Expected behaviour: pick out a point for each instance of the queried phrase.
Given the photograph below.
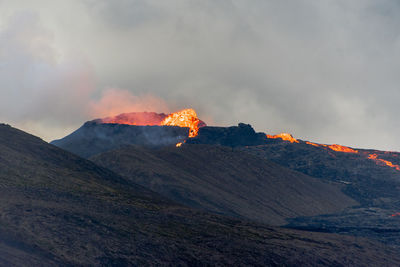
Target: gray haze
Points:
(326, 71)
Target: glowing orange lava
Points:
(346, 149)
(374, 157)
(178, 144)
(342, 148)
(184, 118)
(314, 144)
(335, 147)
(284, 136)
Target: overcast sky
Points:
(326, 71)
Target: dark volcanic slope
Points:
(58, 209)
(365, 175)
(375, 185)
(224, 181)
(93, 137)
(366, 181)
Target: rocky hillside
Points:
(224, 181)
(59, 209)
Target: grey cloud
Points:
(124, 14)
(323, 70)
(35, 87)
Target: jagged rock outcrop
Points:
(241, 135)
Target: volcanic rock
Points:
(365, 180)
(374, 185)
(241, 135)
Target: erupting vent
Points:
(184, 118)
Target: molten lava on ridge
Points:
(284, 136)
(183, 118)
(338, 148)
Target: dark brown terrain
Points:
(366, 181)
(59, 209)
(374, 185)
(218, 179)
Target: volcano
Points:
(238, 172)
(147, 129)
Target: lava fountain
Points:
(183, 118)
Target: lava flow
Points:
(342, 148)
(346, 149)
(337, 148)
(284, 136)
(374, 157)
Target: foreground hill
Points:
(58, 209)
(224, 181)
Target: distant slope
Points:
(224, 181)
(371, 177)
(366, 181)
(58, 209)
(95, 137)
(374, 184)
